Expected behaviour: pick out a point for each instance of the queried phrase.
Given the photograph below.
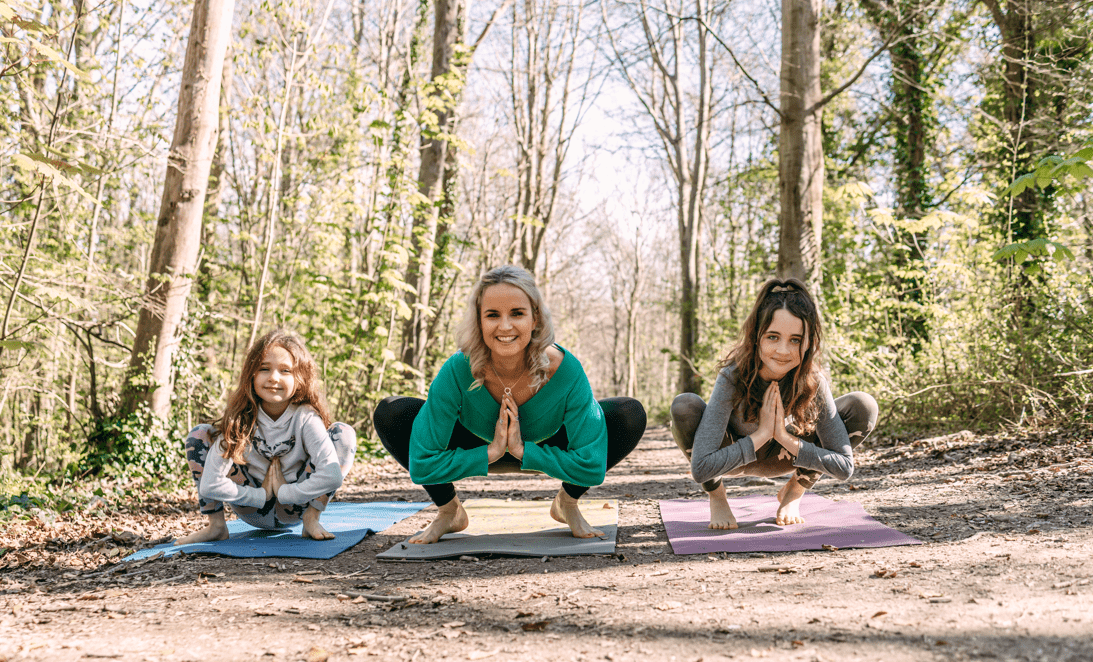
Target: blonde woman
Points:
(509, 400)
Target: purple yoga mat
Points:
(836, 523)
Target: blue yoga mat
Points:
(349, 522)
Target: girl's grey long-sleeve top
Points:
(709, 460)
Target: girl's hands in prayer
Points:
(768, 417)
(515, 444)
(500, 441)
(275, 478)
(788, 451)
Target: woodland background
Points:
(921, 163)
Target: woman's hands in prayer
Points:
(515, 445)
(506, 434)
(275, 478)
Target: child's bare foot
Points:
(789, 504)
(217, 529)
(565, 510)
(721, 516)
(450, 518)
(312, 528)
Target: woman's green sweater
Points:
(566, 400)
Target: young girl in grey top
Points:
(771, 411)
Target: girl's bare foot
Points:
(789, 503)
(565, 510)
(312, 528)
(450, 518)
(721, 516)
(217, 529)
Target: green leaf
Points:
(1020, 184)
(1004, 252)
(18, 344)
(1085, 153)
(55, 56)
(1020, 256)
(1081, 171)
(31, 25)
(1049, 161)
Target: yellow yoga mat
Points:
(518, 528)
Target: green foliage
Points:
(136, 446)
(1049, 171)
(1053, 169)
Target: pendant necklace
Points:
(508, 389)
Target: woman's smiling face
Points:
(506, 319)
(782, 345)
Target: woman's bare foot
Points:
(450, 518)
(721, 516)
(217, 529)
(565, 510)
(789, 503)
(312, 528)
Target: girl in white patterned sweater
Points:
(277, 460)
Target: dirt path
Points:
(1005, 576)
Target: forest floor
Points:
(1004, 575)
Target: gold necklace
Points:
(508, 389)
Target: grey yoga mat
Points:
(517, 528)
(833, 523)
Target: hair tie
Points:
(782, 288)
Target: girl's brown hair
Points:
(799, 386)
(241, 414)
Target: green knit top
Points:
(564, 400)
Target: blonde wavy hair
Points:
(469, 332)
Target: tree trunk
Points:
(666, 100)
(547, 106)
(800, 144)
(445, 89)
(1019, 110)
(178, 231)
(913, 128)
(692, 191)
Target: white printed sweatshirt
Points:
(298, 436)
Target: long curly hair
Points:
(469, 331)
(236, 426)
(799, 386)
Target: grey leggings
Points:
(857, 410)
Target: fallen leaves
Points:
(59, 606)
(317, 654)
(780, 569)
(536, 626)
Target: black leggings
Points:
(394, 419)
